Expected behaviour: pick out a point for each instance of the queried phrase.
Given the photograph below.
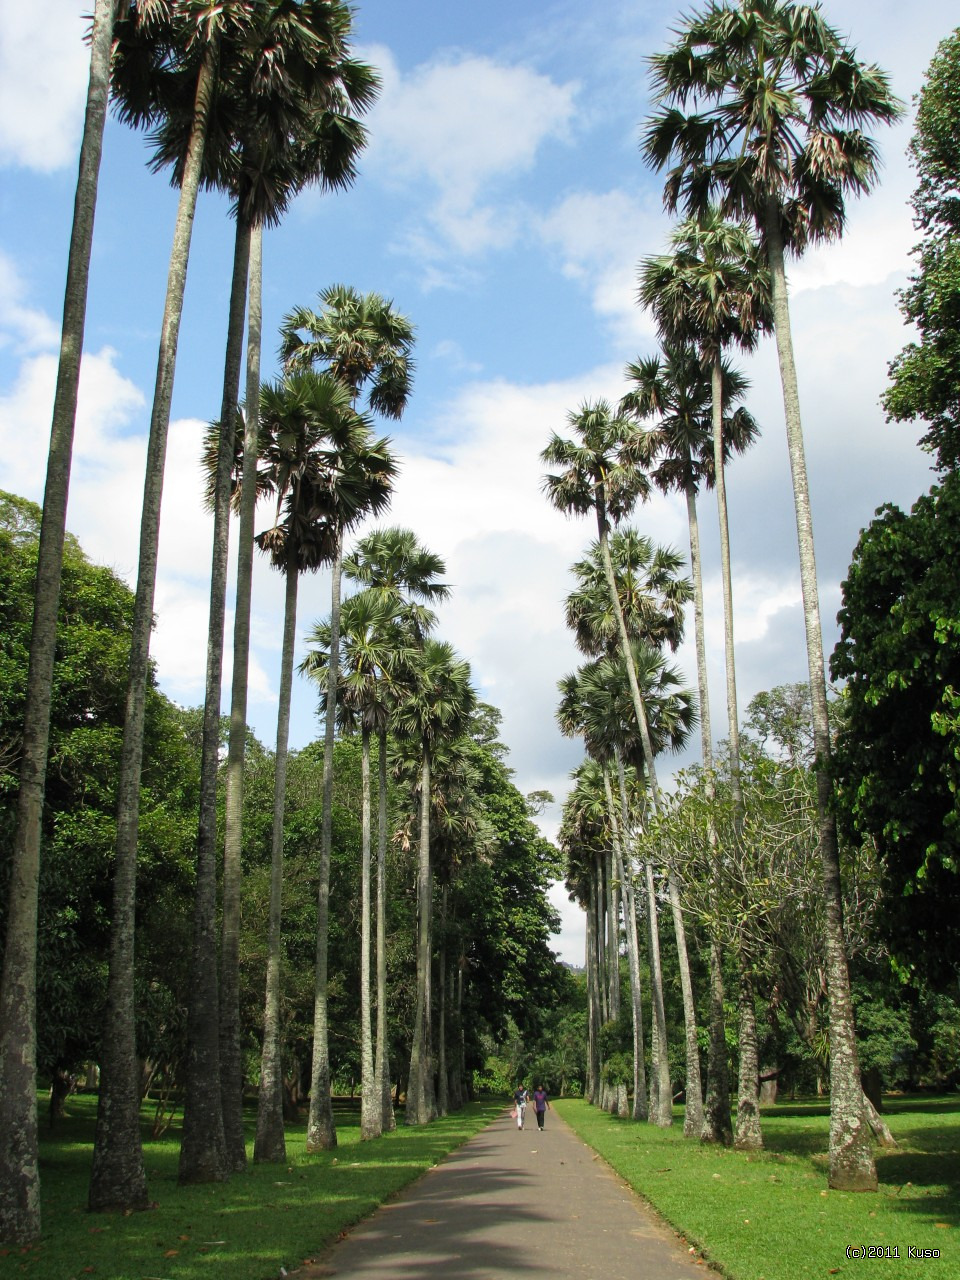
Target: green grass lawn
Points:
(246, 1229)
(770, 1216)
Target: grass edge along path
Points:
(769, 1215)
(267, 1218)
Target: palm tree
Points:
(182, 42)
(19, 1177)
(676, 390)
(595, 476)
(588, 705)
(434, 705)
(373, 646)
(290, 100)
(359, 335)
(649, 595)
(309, 430)
(362, 340)
(763, 109)
(712, 291)
(397, 568)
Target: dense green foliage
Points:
(925, 376)
(898, 757)
(79, 815)
(500, 919)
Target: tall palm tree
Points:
(182, 43)
(434, 705)
(649, 597)
(362, 340)
(588, 705)
(712, 290)
(373, 646)
(309, 427)
(678, 393)
(763, 107)
(19, 1177)
(292, 100)
(276, 87)
(396, 567)
(594, 475)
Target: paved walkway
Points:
(513, 1204)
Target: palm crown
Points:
(777, 105)
(361, 338)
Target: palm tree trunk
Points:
(269, 1145)
(661, 1110)
(693, 1107)
(443, 1082)
(420, 1099)
(716, 1104)
(117, 1180)
(388, 1122)
(733, 713)
(748, 1136)
(852, 1164)
(203, 1152)
(624, 861)
(603, 980)
(19, 1175)
(321, 1131)
(694, 1114)
(627, 651)
(613, 934)
(371, 1113)
(231, 1064)
(593, 1003)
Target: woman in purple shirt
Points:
(540, 1104)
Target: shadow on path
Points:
(508, 1203)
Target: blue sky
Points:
(503, 205)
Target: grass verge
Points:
(769, 1215)
(268, 1217)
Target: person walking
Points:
(520, 1100)
(540, 1104)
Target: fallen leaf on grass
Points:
(945, 1226)
(171, 1253)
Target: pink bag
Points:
(513, 1114)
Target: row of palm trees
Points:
(255, 98)
(760, 111)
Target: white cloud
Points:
(44, 67)
(462, 125)
(600, 239)
(22, 326)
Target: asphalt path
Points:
(513, 1203)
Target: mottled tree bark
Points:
(421, 1106)
(852, 1164)
(19, 1174)
(117, 1178)
(371, 1111)
(270, 1143)
(388, 1120)
(321, 1130)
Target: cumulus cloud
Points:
(462, 125)
(44, 69)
